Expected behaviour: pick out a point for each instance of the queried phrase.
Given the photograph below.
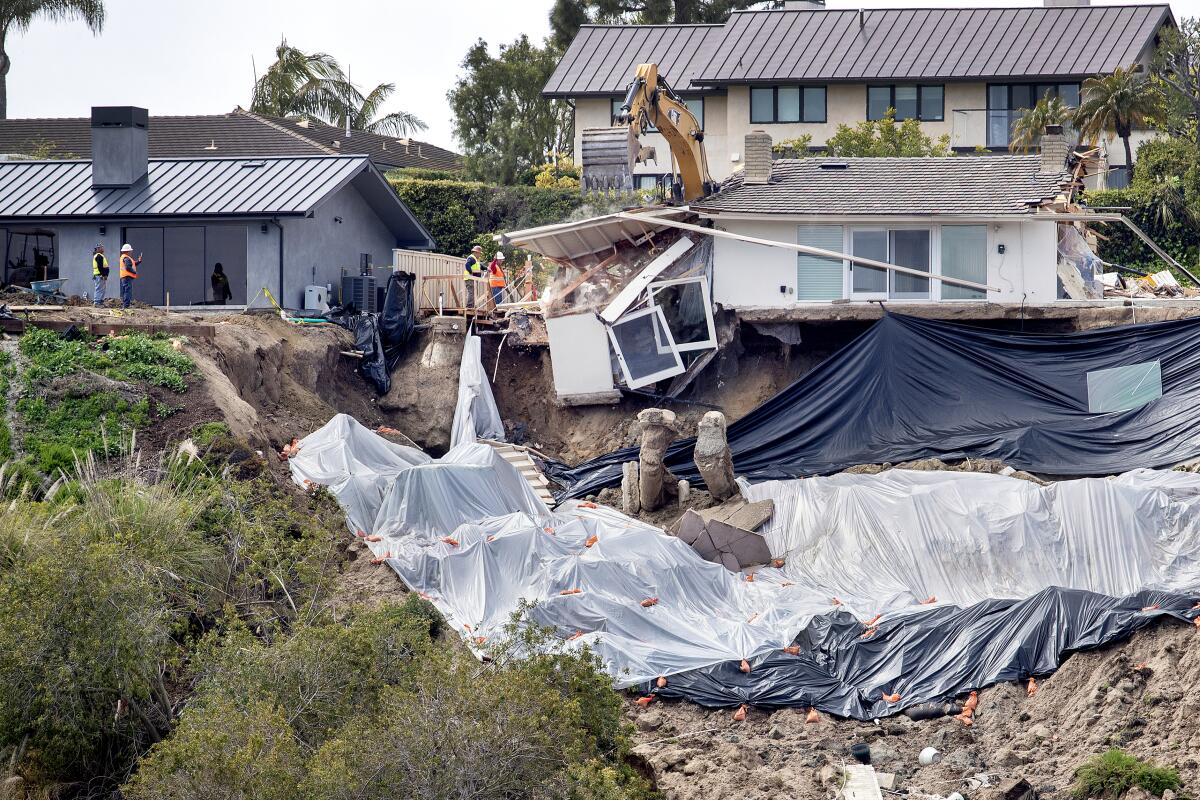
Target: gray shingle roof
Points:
(881, 44)
(954, 185)
(233, 135)
(200, 188)
(602, 59)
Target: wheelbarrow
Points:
(48, 291)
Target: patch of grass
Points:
(205, 434)
(57, 434)
(133, 357)
(6, 372)
(1111, 774)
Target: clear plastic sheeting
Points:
(889, 541)
(469, 533)
(1124, 388)
(475, 415)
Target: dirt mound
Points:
(1138, 695)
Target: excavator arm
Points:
(650, 103)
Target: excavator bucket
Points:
(608, 158)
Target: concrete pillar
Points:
(659, 429)
(713, 458)
(631, 492)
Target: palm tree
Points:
(363, 111)
(299, 83)
(1027, 130)
(18, 15)
(313, 84)
(1115, 104)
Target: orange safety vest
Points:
(496, 275)
(128, 266)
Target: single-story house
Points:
(979, 220)
(283, 222)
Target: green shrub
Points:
(135, 356)
(57, 434)
(455, 211)
(1111, 774)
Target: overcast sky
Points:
(182, 57)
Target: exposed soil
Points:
(1139, 695)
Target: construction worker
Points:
(496, 278)
(129, 273)
(222, 294)
(99, 275)
(472, 274)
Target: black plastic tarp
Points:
(913, 388)
(927, 656)
(382, 338)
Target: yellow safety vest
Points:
(96, 271)
(472, 268)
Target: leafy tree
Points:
(500, 116)
(566, 16)
(1028, 129)
(884, 137)
(1177, 70)
(18, 15)
(1116, 104)
(314, 84)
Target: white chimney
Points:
(758, 158)
(120, 147)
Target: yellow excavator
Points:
(651, 103)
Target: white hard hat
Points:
(500, 256)
(126, 248)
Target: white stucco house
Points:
(976, 221)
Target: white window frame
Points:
(711, 341)
(935, 261)
(655, 377)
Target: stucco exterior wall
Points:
(321, 249)
(751, 275)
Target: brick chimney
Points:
(1055, 149)
(120, 147)
(758, 158)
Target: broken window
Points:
(1124, 388)
(687, 311)
(645, 349)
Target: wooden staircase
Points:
(520, 458)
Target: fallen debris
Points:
(713, 459)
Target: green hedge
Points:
(1176, 234)
(455, 212)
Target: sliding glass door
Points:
(905, 247)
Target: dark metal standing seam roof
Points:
(61, 191)
(602, 59)
(889, 44)
(214, 186)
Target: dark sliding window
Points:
(924, 102)
(787, 104)
(694, 105)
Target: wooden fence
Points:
(440, 285)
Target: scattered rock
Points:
(1040, 731)
(775, 733)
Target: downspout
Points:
(275, 222)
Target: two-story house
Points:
(804, 69)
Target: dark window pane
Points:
(1069, 94)
(788, 98)
(998, 96)
(910, 249)
(696, 106)
(814, 103)
(1045, 90)
(1022, 96)
(879, 100)
(616, 109)
(931, 102)
(906, 102)
(872, 245)
(762, 104)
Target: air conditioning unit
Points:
(359, 291)
(316, 298)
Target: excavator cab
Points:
(651, 105)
